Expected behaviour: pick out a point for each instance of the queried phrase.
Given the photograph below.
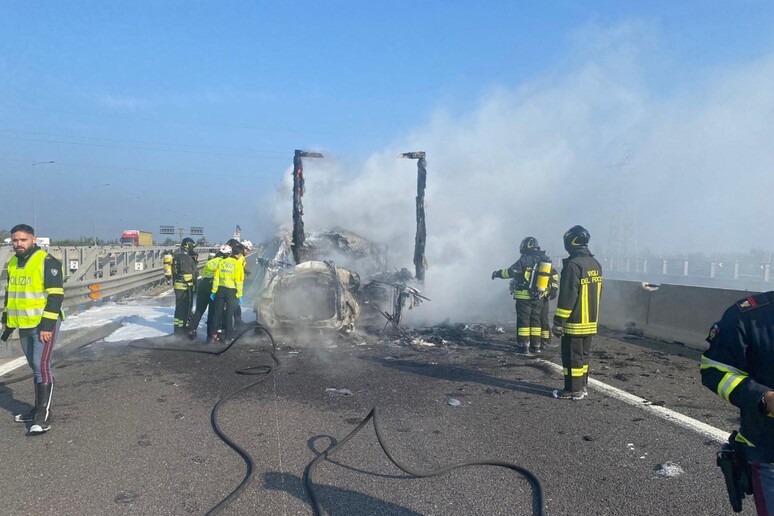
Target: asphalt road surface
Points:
(132, 430)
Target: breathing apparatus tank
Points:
(540, 278)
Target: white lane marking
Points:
(681, 420)
(13, 364)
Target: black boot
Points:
(42, 409)
(25, 417)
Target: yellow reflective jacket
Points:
(211, 266)
(229, 274)
(35, 291)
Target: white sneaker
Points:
(39, 428)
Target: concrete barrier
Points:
(673, 313)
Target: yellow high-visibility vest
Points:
(27, 294)
(211, 266)
(229, 274)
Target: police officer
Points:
(203, 289)
(577, 311)
(227, 284)
(527, 305)
(739, 367)
(33, 304)
(184, 272)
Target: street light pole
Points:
(34, 217)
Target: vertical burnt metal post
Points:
(298, 208)
(420, 263)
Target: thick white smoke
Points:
(539, 158)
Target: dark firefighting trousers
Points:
(203, 302)
(183, 303)
(528, 323)
(575, 361)
(225, 298)
(545, 327)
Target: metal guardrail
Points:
(740, 275)
(101, 272)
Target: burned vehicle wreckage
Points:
(323, 290)
(318, 293)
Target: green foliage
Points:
(83, 241)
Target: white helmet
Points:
(225, 249)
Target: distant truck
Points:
(136, 237)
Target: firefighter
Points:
(240, 256)
(545, 326)
(234, 243)
(227, 283)
(577, 311)
(203, 289)
(184, 272)
(739, 367)
(527, 303)
(168, 267)
(33, 304)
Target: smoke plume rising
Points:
(576, 146)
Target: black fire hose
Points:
(537, 488)
(264, 370)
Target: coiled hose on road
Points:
(373, 415)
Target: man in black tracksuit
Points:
(739, 367)
(527, 305)
(577, 311)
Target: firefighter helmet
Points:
(577, 237)
(528, 244)
(187, 245)
(225, 249)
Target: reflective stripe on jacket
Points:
(27, 296)
(580, 290)
(184, 271)
(229, 274)
(520, 273)
(738, 366)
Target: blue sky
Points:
(190, 111)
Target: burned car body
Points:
(319, 294)
(314, 294)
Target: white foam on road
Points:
(140, 318)
(681, 420)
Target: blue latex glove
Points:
(212, 296)
(240, 301)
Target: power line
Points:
(142, 142)
(178, 122)
(137, 169)
(138, 148)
